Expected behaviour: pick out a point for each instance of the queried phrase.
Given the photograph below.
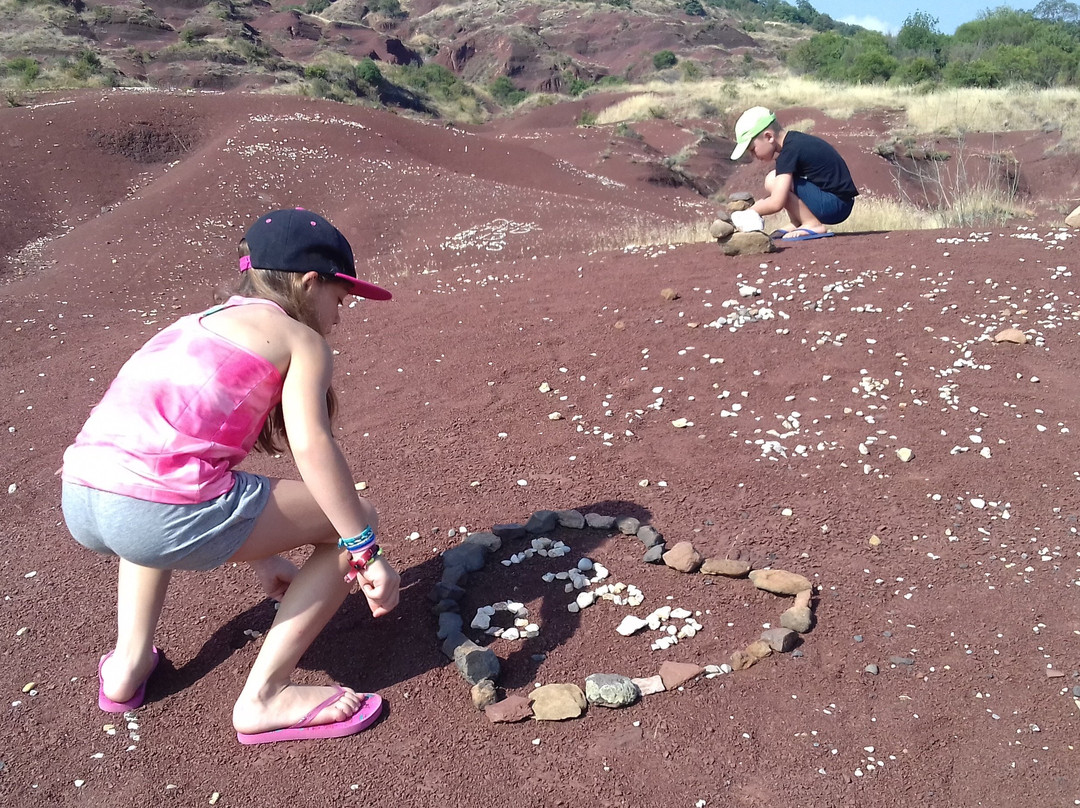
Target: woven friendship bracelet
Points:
(355, 544)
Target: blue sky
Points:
(888, 17)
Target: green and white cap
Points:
(750, 124)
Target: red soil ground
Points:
(121, 212)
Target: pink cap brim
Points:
(363, 288)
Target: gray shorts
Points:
(200, 536)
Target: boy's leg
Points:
(269, 700)
(140, 595)
(800, 216)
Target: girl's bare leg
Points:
(269, 700)
(140, 595)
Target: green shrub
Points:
(664, 59)
(387, 8)
(918, 70)
(87, 65)
(26, 68)
(506, 93)
(316, 6)
(576, 86)
(691, 70)
(611, 81)
(587, 118)
(368, 72)
(435, 80)
(317, 72)
(693, 8)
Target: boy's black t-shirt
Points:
(808, 156)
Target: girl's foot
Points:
(291, 705)
(121, 679)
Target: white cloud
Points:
(873, 23)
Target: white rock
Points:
(630, 625)
(585, 599)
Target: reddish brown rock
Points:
(675, 674)
(509, 710)
(683, 557)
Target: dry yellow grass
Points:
(947, 111)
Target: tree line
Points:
(1001, 47)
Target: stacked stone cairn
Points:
(479, 666)
(732, 242)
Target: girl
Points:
(151, 477)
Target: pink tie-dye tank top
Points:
(181, 413)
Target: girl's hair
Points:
(286, 289)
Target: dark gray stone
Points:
(476, 664)
(655, 554)
(450, 623)
(599, 522)
(570, 518)
(489, 541)
(470, 557)
(649, 535)
(455, 641)
(446, 605)
(627, 525)
(542, 522)
(900, 660)
(453, 576)
(510, 531)
(741, 196)
(443, 591)
(780, 639)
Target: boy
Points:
(811, 181)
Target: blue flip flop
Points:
(810, 234)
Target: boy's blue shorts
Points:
(826, 206)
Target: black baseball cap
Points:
(298, 240)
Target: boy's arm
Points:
(777, 200)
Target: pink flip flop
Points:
(363, 718)
(136, 701)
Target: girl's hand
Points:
(275, 574)
(379, 582)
